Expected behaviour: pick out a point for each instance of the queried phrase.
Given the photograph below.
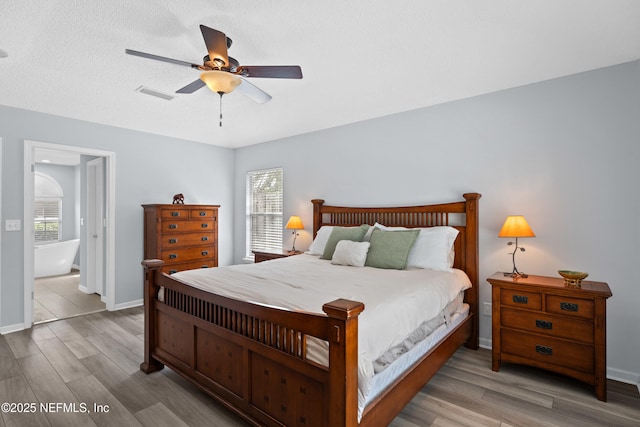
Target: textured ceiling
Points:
(360, 59)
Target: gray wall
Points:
(149, 169)
(563, 153)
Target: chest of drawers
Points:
(183, 236)
(538, 321)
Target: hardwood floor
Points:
(58, 297)
(93, 360)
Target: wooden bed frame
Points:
(252, 358)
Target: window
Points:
(47, 212)
(264, 211)
(47, 220)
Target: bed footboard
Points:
(252, 358)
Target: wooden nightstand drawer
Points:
(549, 350)
(547, 324)
(521, 299)
(570, 306)
(259, 256)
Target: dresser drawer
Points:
(188, 254)
(547, 324)
(187, 226)
(175, 213)
(569, 306)
(188, 239)
(548, 350)
(203, 213)
(522, 299)
(193, 265)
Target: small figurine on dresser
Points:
(178, 199)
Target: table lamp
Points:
(515, 226)
(294, 223)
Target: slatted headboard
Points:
(462, 215)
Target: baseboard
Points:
(83, 289)
(485, 343)
(130, 304)
(624, 376)
(11, 328)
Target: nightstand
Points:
(259, 256)
(538, 321)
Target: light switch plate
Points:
(12, 225)
(486, 307)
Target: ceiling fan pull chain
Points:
(220, 93)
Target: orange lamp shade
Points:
(294, 223)
(516, 226)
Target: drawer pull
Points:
(175, 213)
(543, 324)
(543, 349)
(173, 271)
(568, 306)
(203, 213)
(520, 299)
(173, 226)
(204, 266)
(204, 239)
(173, 240)
(204, 225)
(173, 256)
(204, 253)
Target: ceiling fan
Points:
(222, 73)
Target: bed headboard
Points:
(462, 215)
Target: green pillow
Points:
(355, 234)
(390, 249)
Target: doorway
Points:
(96, 199)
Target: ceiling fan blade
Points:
(161, 58)
(216, 43)
(253, 92)
(192, 87)
(272, 71)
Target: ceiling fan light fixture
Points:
(220, 81)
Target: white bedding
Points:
(396, 302)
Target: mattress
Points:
(400, 305)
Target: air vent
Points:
(153, 92)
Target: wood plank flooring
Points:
(93, 360)
(58, 297)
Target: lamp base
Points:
(515, 275)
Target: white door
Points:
(95, 226)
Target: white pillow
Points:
(350, 253)
(433, 249)
(318, 244)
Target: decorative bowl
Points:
(572, 278)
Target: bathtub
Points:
(55, 258)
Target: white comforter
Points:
(396, 301)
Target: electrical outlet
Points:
(12, 225)
(486, 308)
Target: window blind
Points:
(47, 220)
(264, 210)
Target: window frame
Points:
(46, 221)
(271, 217)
